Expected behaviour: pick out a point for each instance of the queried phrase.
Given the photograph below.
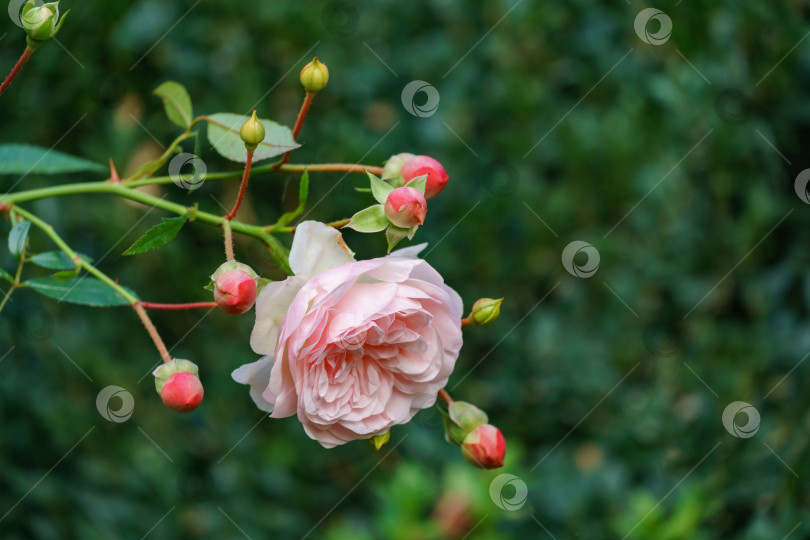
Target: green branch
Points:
(104, 278)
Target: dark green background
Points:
(612, 456)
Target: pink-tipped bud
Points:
(235, 287)
(406, 207)
(426, 165)
(178, 384)
(484, 447)
(182, 392)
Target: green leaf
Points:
(419, 183)
(56, 260)
(394, 235)
(303, 192)
(176, 101)
(27, 159)
(65, 275)
(159, 235)
(379, 189)
(368, 220)
(5, 275)
(87, 291)
(223, 134)
(17, 237)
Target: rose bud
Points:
(314, 76)
(486, 310)
(426, 165)
(178, 384)
(235, 287)
(40, 22)
(252, 132)
(392, 172)
(182, 392)
(484, 447)
(406, 207)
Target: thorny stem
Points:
(16, 280)
(302, 113)
(101, 276)
(226, 227)
(445, 396)
(336, 224)
(189, 305)
(242, 188)
(17, 68)
(153, 333)
(277, 250)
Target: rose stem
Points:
(17, 68)
(153, 333)
(445, 396)
(299, 122)
(226, 226)
(189, 305)
(336, 224)
(242, 187)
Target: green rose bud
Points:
(392, 171)
(252, 132)
(164, 371)
(314, 76)
(461, 419)
(486, 310)
(40, 22)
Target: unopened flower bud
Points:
(178, 384)
(252, 132)
(392, 172)
(314, 76)
(235, 287)
(40, 22)
(486, 310)
(406, 207)
(426, 165)
(485, 447)
(462, 419)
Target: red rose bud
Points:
(235, 287)
(182, 392)
(179, 385)
(426, 165)
(484, 447)
(406, 207)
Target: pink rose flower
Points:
(359, 346)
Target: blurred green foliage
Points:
(612, 412)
